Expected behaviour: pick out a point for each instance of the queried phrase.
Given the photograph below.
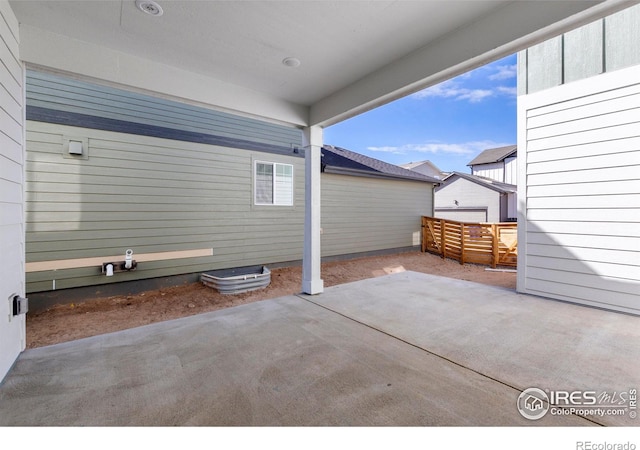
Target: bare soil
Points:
(62, 323)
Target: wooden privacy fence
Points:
(494, 244)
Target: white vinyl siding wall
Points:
(495, 171)
(12, 329)
(362, 214)
(510, 171)
(469, 196)
(580, 157)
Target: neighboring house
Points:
(426, 168)
(483, 196)
(188, 189)
(579, 142)
(382, 209)
(499, 164)
(470, 198)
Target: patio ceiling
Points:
(354, 55)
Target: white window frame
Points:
(276, 200)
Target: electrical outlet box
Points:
(20, 305)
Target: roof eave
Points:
(365, 173)
(475, 180)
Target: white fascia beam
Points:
(507, 30)
(74, 57)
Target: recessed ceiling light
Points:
(149, 7)
(291, 62)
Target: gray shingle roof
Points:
(356, 163)
(493, 155)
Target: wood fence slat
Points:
(480, 243)
(443, 240)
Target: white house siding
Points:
(425, 169)
(495, 171)
(510, 171)
(512, 206)
(361, 214)
(579, 233)
(469, 195)
(12, 329)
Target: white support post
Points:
(311, 281)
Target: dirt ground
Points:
(62, 323)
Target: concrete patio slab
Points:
(524, 341)
(403, 349)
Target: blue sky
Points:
(448, 124)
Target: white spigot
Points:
(128, 259)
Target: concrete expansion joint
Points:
(444, 358)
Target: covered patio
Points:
(406, 349)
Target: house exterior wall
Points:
(160, 177)
(362, 214)
(511, 171)
(512, 206)
(602, 46)
(155, 176)
(12, 329)
(428, 170)
(579, 146)
(495, 171)
(52, 97)
(469, 195)
(474, 214)
(151, 195)
(578, 142)
(504, 171)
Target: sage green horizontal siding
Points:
(366, 214)
(66, 94)
(150, 195)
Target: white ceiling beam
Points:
(506, 30)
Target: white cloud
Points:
(508, 90)
(394, 150)
(475, 95)
(464, 148)
(504, 72)
(453, 89)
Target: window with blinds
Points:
(273, 184)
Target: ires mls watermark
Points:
(534, 403)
